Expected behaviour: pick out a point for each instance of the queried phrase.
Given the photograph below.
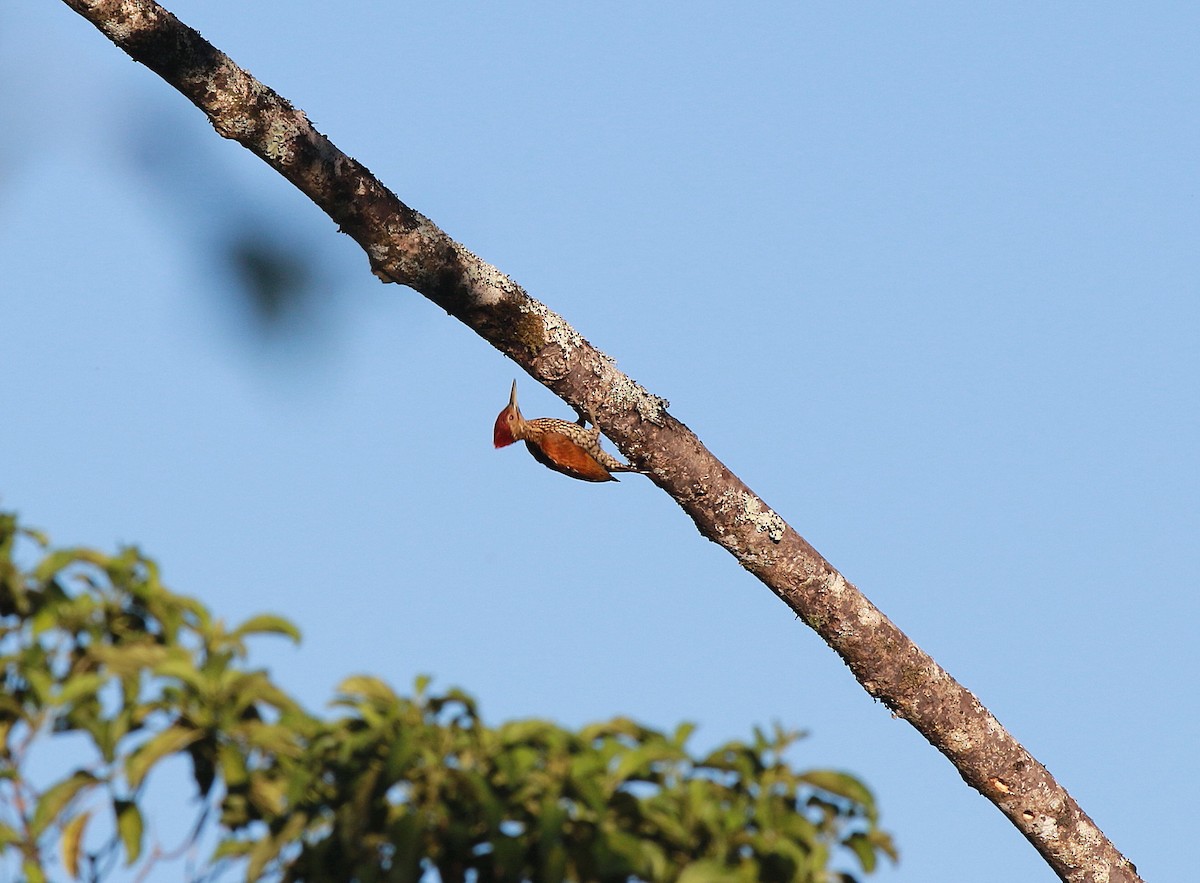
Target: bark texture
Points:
(405, 247)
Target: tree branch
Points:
(405, 247)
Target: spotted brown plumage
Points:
(569, 448)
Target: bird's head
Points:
(508, 424)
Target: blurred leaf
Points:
(38, 678)
(262, 852)
(45, 618)
(266, 849)
(367, 687)
(709, 871)
(129, 659)
(33, 872)
(232, 849)
(797, 827)
(266, 623)
(37, 536)
(640, 762)
(682, 733)
(180, 665)
(72, 840)
(8, 837)
(266, 794)
(391, 784)
(129, 826)
(60, 559)
(169, 741)
(863, 849)
(421, 684)
(232, 763)
(882, 842)
(843, 785)
(522, 731)
(235, 811)
(79, 686)
(54, 800)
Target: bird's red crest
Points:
(502, 433)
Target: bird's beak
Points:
(512, 397)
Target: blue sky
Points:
(924, 275)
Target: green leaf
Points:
(798, 828)
(231, 849)
(880, 841)
(640, 763)
(180, 666)
(861, 847)
(36, 535)
(45, 618)
(367, 687)
(8, 837)
(129, 659)
(130, 827)
(40, 682)
(708, 871)
(266, 849)
(33, 872)
(532, 730)
(232, 764)
(169, 741)
(683, 732)
(72, 840)
(55, 800)
(79, 686)
(266, 794)
(843, 785)
(61, 559)
(266, 623)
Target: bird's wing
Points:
(563, 455)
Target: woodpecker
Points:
(565, 447)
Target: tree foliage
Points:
(386, 787)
